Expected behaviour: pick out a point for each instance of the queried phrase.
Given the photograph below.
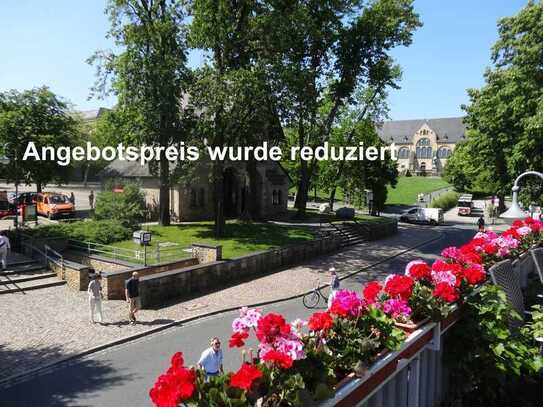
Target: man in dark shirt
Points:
(132, 296)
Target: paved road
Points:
(122, 376)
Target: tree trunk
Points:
(252, 201)
(86, 175)
(38, 187)
(332, 198)
(302, 191)
(164, 196)
(218, 191)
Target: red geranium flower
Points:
(445, 292)
(490, 249)
(278, 358)
(511, 232)
(474, 274)
(271, 326)
(399, 286)
(420, 271)
(177, 384)
(371, 291)
(320, 321)
(245, 376)
(237, 340)
(517, 224)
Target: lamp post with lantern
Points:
(515, 212)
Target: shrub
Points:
(127, 207)
(97, 231)
(446, 200)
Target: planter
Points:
(409, 328)
(453, 316)
(366, 373)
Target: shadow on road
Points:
(58, 389)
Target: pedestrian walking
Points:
(91, 199)
(132, 294)
(481, 224)
(5, 247)
(72, 198)
(211, 358)
(334, 285)
(95, 298)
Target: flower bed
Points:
(302, 363)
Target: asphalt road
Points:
(123, 375)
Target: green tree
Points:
(318, 53)
(505, 116)
(37, 116)
(148, 76)
(231, 93)
(127, 207)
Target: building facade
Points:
(194, 201)
(423, 146)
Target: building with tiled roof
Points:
(423, 145)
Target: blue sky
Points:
(47, 43)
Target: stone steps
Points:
(33, 284)
(28, 267)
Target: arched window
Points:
(403, 153)
(192, 198)
(443, 152)
(423, 148)
(279, 197)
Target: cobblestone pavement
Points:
(42, 326)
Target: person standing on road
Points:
(132, 294)
(481, 224)
(91, 199)
(5, 247)
(334, 285)
(211, 359)
(95, 298)
(72, 198)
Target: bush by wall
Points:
(127, 207)
(98, 231)
(446, 200)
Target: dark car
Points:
(28, 198)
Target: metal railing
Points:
(146, 255)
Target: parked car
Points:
(465, 205)
(28, 198)
(6, 207)
(54, 205)
(433, 216)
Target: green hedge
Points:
(97, 231)
(446, 200)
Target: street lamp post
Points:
(515, 212)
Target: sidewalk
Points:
(44, 326)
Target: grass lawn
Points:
(407, 189)
(240, 238)
(313, 216)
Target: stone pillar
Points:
(206, 253)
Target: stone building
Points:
(195, 202)
(424, 145)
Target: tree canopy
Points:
(41, 117)
(505, 116)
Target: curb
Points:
(12, 380)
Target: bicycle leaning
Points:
(312, 299)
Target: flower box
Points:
(409, 328)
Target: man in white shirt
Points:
(211, 359)
(4, 248)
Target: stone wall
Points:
(157, 288)
(76, 275)
(381, 230)
(113, 281)
(206, 253)
(98, 263)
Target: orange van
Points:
(54, 205)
